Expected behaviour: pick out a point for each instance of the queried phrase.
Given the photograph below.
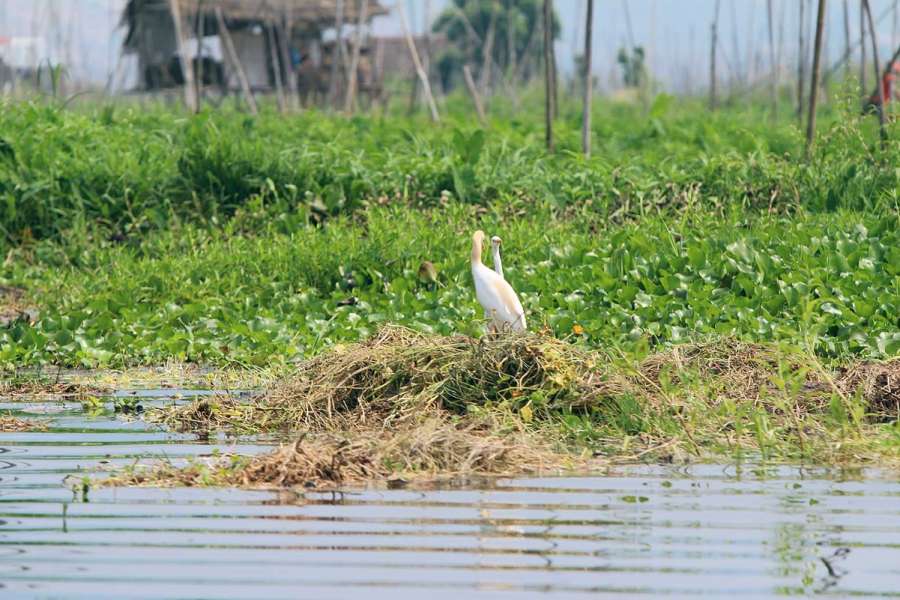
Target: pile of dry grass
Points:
(399, 374)
(402, 405)
(757, 373)
(10, 424)
(877, 382)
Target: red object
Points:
(887, 84)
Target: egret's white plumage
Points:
(495, 254)
(501, 305)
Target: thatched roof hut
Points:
(151, 32)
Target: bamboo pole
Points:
(473, 92)
(846, 38)
(337, 56)
(510, 41)
(187, 65)
(423, 77)
(549, 110)
(553, 65)
(773, 85)
(862, 52)
(231, 56)
(588, 79)
(714, 30)
(199, 26)
(801, 61)
(883, 103)
(276, 69)
(285, 32)
(738, 73)
(353, 75)
(814, 85)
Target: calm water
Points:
(641, 530)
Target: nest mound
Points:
(400, 374)
(401, 404)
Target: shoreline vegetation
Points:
(695, 289)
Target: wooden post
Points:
(738, 70)
(588, 79)
(814, 85)
(473, 92)
(284, 36)
(337, 55)
(199, 27)
(232, 57)
(553, 66)
(510, 41)
(187, 65)
(862, 52)
(773, 84)
(353, 75)
(548, 74)
(276, 68)
(801, 61)
(846, 39)
(714, 30)
(883, 104)
(423, 77)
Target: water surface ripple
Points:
(703, 530)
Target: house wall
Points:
(156, 38)
(253, 54)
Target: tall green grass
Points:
(121, 171)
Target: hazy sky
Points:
(676, 33)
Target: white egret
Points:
(501, 305)
(495, 253)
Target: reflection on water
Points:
(638, 530)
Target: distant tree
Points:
(521, 51)
(633, 70)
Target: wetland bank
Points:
(733, 303)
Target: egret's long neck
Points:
(476, 251)
(498, 265)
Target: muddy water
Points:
(640, 530)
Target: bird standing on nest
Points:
(501, 306)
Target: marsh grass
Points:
(409, 405)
